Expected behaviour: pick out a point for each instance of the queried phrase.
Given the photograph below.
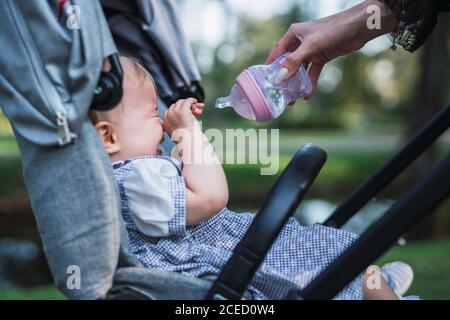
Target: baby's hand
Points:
(181, 115)
(197, 108)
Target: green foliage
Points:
(37, 293)
(365, 91)
(8, 146)
(430, 261)
(10, 167)
(252, 43)
(340, 175)
(5, 127)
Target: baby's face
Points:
(139, 130)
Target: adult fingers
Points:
(287, 43)
(292, 63)
(314, 74)
(277, 51)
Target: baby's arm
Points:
(207, 189)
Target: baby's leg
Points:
(375, 287)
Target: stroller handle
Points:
(281, 203)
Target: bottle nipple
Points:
(223, 102)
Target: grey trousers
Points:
(75, 201)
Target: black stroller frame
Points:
(292, 185)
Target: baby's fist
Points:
(180, 115)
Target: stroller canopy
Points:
(150, 30)
(48, 71)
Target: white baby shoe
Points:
(398, 275)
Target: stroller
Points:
(52, 118)
(289, 190)
(413, 205)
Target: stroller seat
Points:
(138, 282)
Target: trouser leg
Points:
(75, 201)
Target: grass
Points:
(340, 175)
(38, 293)
(429, 259)
(245, 180)
(351, 158)
(345, 168)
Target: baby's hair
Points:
(132, 66)
(127, 61)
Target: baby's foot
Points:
(398, 276)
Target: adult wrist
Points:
(364, 15)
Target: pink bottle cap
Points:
(256, 98)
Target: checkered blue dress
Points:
(296, 257)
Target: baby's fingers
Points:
(178, 105)
(187, 103)
(197, 109)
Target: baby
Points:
(175, 208)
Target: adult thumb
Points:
(291, 64)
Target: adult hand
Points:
(320, 41)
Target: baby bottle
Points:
(255, 96)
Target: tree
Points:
(432, 95)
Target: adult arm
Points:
(320, 41)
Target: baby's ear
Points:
(108, 136)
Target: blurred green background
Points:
(365, 107)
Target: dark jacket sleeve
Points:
(416, 20)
